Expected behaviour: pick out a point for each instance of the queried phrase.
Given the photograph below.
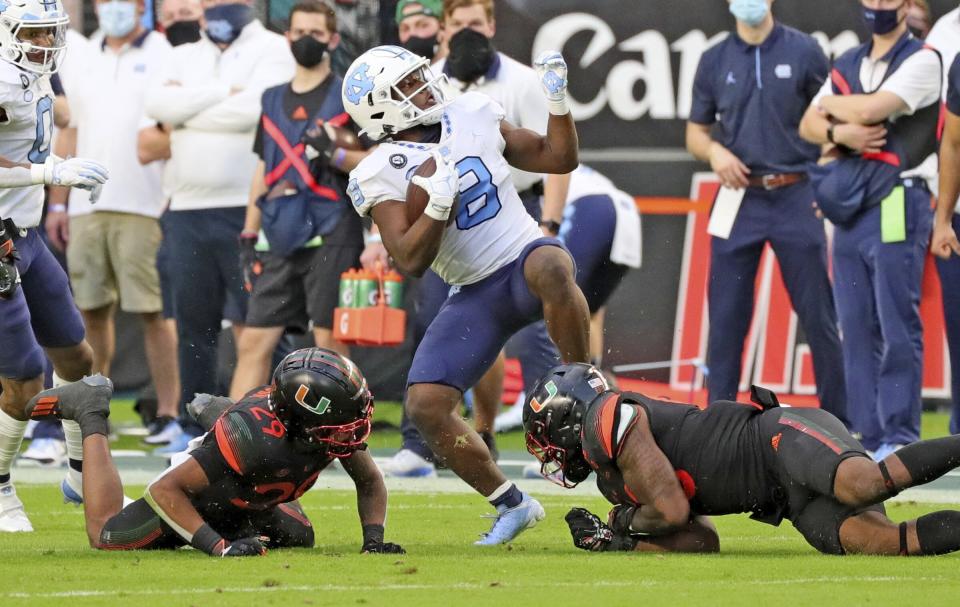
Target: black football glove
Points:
(250, 263)
(319, 143)
(248, 546)
(620, 518)
(588, 531)
(375, 547)
(9, 275)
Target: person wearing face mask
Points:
(880, 110)
(180, 20)
(419, 28)
(945, 37)
(208, 99)
(749, 94)
(292, 270)
(112, 246)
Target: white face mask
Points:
(117, 18)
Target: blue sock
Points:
(508, 499)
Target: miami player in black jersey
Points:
(666, 466)
(236, 493)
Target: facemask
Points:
(308, 51)
(881, 22)
(183, 32)
(117, 19)
(471, 55)
(425, 47)
(751, 12)
(226, 21)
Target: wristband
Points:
(339, 157)
(438, 213)
(57, 208)
(244, 235)
(558, 108)
(208, 540)
(373, 238)
(38, 173)
(373, 533)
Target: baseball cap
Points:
(430, 8)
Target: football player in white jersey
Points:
(504, 273)
(37, 313)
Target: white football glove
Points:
(72, 172)
(552, 70)
(442, 187)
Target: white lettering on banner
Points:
(661, 99)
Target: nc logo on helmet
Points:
(358, 84)
(301, 397)
(551, 389)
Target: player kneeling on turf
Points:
(236, 492)
(665, 466)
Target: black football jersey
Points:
(250, 462)
(715, 452)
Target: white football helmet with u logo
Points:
(33, 34)
(371, 97)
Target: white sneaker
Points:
(511, 418)
(408, 464)
(46, 451)
(12, 516)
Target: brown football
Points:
(344, 137)
(417, 197)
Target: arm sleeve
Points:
(917, 82)
(239, 112)
(953, 87)
(703, 106)
(818, 71)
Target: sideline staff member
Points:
(757, 84)
(882, 103)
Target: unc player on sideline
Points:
(37, 312)
(505, 275)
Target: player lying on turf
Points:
(665, 466)
(504, 274)
(236, 492)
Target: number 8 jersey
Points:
(25, 131)
(491, 226)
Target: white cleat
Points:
(13, 519)
(511, 522)
(407, 464)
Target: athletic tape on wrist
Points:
(558, 108)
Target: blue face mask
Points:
(881, 22)
(751, 12)
(226, 21)
(117, 19)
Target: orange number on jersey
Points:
(275, 428)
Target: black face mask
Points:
(471, 55)
(425, 47)
(183, 32)
(308, 51)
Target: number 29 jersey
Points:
(25, 130)
(491, 226)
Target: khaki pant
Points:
(113, 256)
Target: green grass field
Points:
(759, 565)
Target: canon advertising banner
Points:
(632, 66)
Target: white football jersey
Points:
(25, 130)
(491, 226)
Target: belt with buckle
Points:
(775, 181)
